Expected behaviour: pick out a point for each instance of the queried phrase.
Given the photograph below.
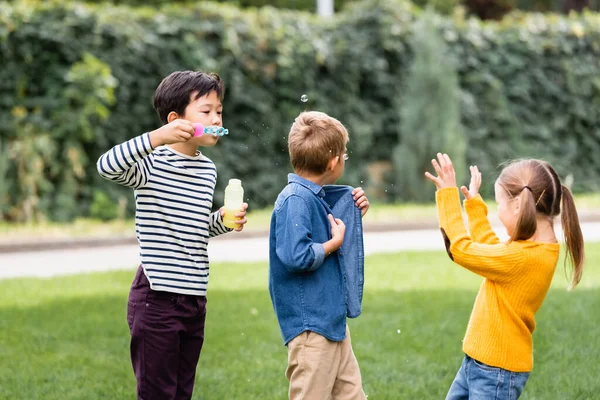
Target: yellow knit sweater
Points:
(517, 278)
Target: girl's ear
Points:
(333, 163)
(172, 117)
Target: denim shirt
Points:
(352, 251)
(310, 291)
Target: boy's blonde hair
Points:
(315, 138)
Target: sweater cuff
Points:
(477, 212)
(476, 205)
(450, 212)
(148, 148)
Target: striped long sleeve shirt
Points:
(173, 218)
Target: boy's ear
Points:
(333, 163)
(172, 117)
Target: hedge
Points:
(78, 78)
(302, 5)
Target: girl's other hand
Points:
(443, 167)
(475, 184)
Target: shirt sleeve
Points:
(215, 225)
(294, 243)
(497, 262)
(129, 164)
(479, 225)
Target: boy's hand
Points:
(443, 167)
(241, 216)
(475, 184)
(338, 230)
(361, 200)
(179, 130)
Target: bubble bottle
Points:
(234, 197)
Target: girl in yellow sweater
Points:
(518, 273)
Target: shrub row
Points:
(78, 78)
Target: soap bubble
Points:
(304, 98)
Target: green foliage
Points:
(103, 207)
(429, 113)
(56, 103)
(302, 5)
(532, 90)
(79, 78)
(88, 92)
(489, 9)
(4, 182)
(445, 7)
(552, 5)
(442, 6)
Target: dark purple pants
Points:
(167, 332)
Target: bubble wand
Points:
(209, 130)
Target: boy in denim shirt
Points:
(307, 280)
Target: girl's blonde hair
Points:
(543, 194)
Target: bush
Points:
(102, 207)
(77, 79)
(4, 181)
(429, 114)
(300, 5)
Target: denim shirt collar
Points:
(316, 189)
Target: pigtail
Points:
(527, 222)
(573, 237)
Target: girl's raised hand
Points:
(443, 167)
(475, 184)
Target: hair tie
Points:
(527, 187)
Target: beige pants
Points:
(319, 369)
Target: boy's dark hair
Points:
(173, 93)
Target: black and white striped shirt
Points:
(173, 219)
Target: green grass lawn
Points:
(67, 338)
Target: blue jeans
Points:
(479, 381)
